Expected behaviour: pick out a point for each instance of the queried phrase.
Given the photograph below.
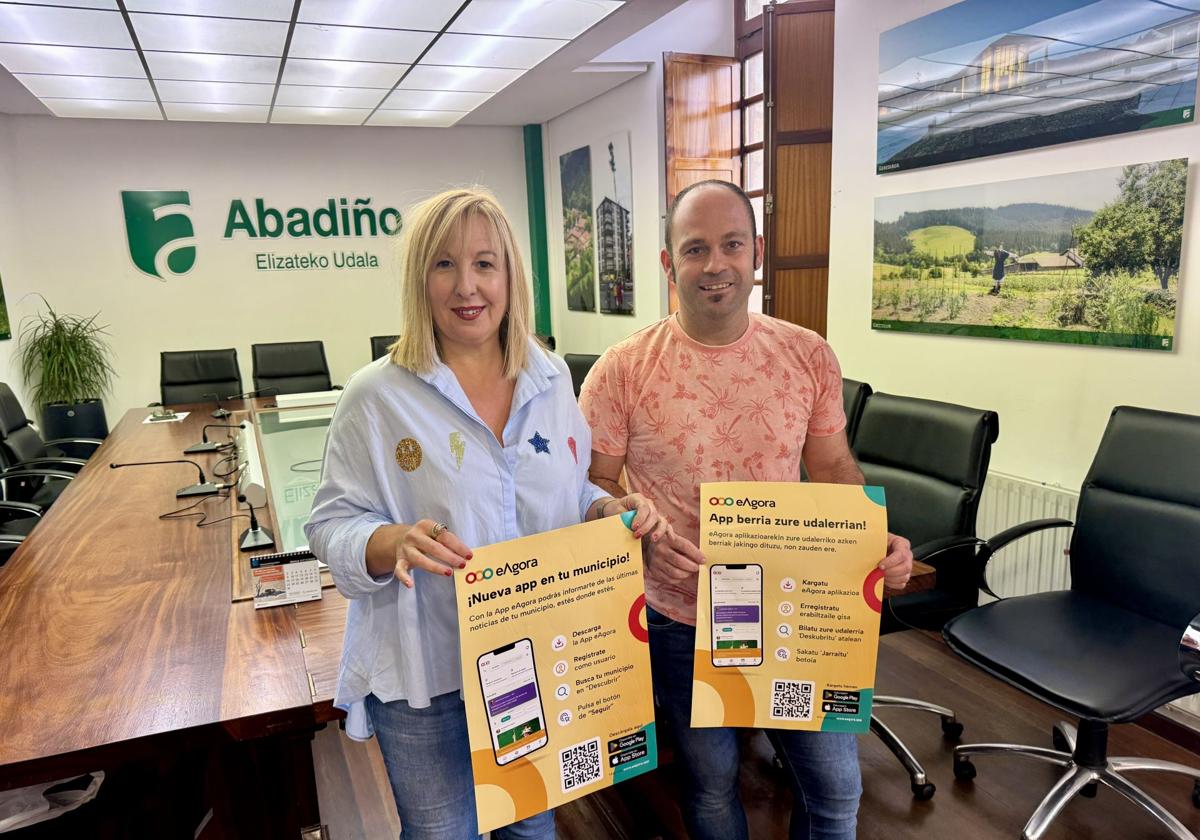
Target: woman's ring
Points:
(438, 528)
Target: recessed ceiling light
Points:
(537, 18)
(104, 109)
(317, 71)
(262, 9)
(186, 33)
(358, 43)
(84, 61)
(431, 119)
(485, 79)
(207, 112)
(87, 87)
(326, 116)
(328, 97)
(212, 67)
(392, 14)
(224, 93)
(434, 100)
(490, 51)
(68, 27)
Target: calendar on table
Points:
(285, 578)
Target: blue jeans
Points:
(822, 766)
(428, 759)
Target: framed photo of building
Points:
(614, 224)
(575, 174)
(983, 78)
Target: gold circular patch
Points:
(408, 454)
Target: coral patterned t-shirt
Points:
(682, 413)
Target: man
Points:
(1000, 258)
(715, 393)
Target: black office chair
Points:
(380, 345)
(33, 470)
(291, 367)
(579, 364)
(17, 521)
(195, 376)
(854, 399)
(1123, 640)
(932, 459)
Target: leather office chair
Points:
(932, 460)
(854, 399)
(292, 367)
(33, 470)
(380, 345)
(194, 376)
(1123, 640)
(579, 364)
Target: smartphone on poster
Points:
(516, 718)
(737, 630)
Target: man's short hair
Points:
(733, 188)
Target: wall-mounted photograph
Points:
(614, 224)
(1086, 257)
(575, 173)
(983, 77)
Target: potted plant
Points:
(67, 364)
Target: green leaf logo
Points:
(158, 225)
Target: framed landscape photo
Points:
(1087, 257)
(984, 77)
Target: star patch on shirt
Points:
(571, 445)
(540, 444)
(408, 454)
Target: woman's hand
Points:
(425, 545)
(647, 523)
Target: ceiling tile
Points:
(538, 18)
(212, 67)
(87, 87)
(104, 108)
(490, 51)
(316, 71)
(72, 27)
(392, 14)
(328, 97)
(262, 9)
(197, 111)
(84, 61)
(185, 33)
(91, 4)
(439, 119)
(327, 116)
(488, 80)
(356, 43)
(225, 93)
(434, 100)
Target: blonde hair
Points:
(428, 228)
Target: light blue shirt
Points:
(404, 447)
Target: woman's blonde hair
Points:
(427, 230)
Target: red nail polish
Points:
(449, 573)
(462, 565)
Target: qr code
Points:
(580, 765)
(791, 700)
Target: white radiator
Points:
(1040, 562)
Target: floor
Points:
(356, 802)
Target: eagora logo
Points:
(158, 225)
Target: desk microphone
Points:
(254, 536)
(205, 444)
(202, 488)
(220, 413)
(255, 393)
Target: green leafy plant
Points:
(65, 358)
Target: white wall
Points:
(698, 26)
(1053, 400)
(62, 230)
(9, 241)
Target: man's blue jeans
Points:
(428, 759)
(822, 766)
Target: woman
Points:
(467, 434)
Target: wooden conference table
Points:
(124, 637)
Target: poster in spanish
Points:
(788, 605)
(555, 668)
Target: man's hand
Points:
(674, 557)
(897, 566)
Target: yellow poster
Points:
(788, 605)
(555, 668)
